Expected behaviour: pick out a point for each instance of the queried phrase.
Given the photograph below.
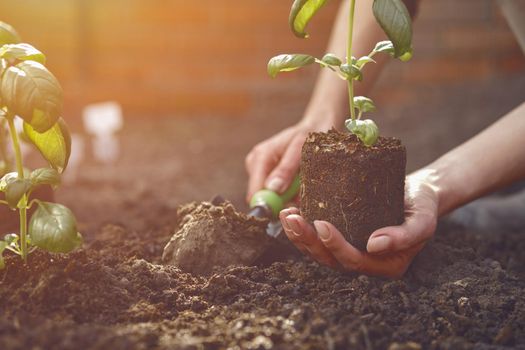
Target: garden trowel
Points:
(267, 204)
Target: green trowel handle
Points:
(274, 201)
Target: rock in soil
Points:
(211, 236)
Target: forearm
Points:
(329, 102)
(489, 161)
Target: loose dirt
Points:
(116, 294)
(465, 290)
(211, 236)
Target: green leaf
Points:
(366, 130)
(301, 13)
(54, 144)
(22, 52)
(6, 179)
(351, 71)
(53, 228)
(288, 63)
(385, 46)
(11, 239)
(45, 176)
(361, 62)
(364, 104)
(3, 67)
(3, 245)
(30, 91)
(15, 190)
(395, 20)
(331, 60)
(8, 34)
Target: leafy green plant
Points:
(29, 91)
(395, 20)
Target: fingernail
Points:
(322, 230)
(378, 244)
(284, 221)
(276, 184)
(293, 225)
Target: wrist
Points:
(322, 120)
(441, 178)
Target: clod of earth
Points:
(212, 236)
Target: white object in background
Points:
(75, 159)
(103, 120)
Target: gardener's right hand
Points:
(273, 163)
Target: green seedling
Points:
(30, 92)
(392, 16)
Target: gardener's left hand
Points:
(325, 244)
(390, 250)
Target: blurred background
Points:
(190, 79)
(173, 57)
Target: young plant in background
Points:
(30, 92)
(395, 20)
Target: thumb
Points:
(417, 228)
(283, 174)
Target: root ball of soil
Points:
(357, 188)
(211, 236)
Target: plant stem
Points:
(349, 57)
(22, 209)
(3, 146)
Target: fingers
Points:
(417, 228)
(280, 153)
(393, 265)
(259, 170)
(327, 245)
(282, 176)
(346, 254)
(304, 237)
(259, 163)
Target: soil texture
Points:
(464, 291)
(115, 294)
(357, 188)
(211, 236)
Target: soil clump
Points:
(211, 236)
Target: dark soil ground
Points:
(465, 290)
(114, 294)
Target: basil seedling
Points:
(392, 16)
(30, 92)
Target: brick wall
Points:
(177, 57)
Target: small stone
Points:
(464, 306)
(260, 343)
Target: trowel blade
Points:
(274, 229)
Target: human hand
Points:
(274, 162)
(390, 250)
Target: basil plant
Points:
(392, 16)
(30, 92)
